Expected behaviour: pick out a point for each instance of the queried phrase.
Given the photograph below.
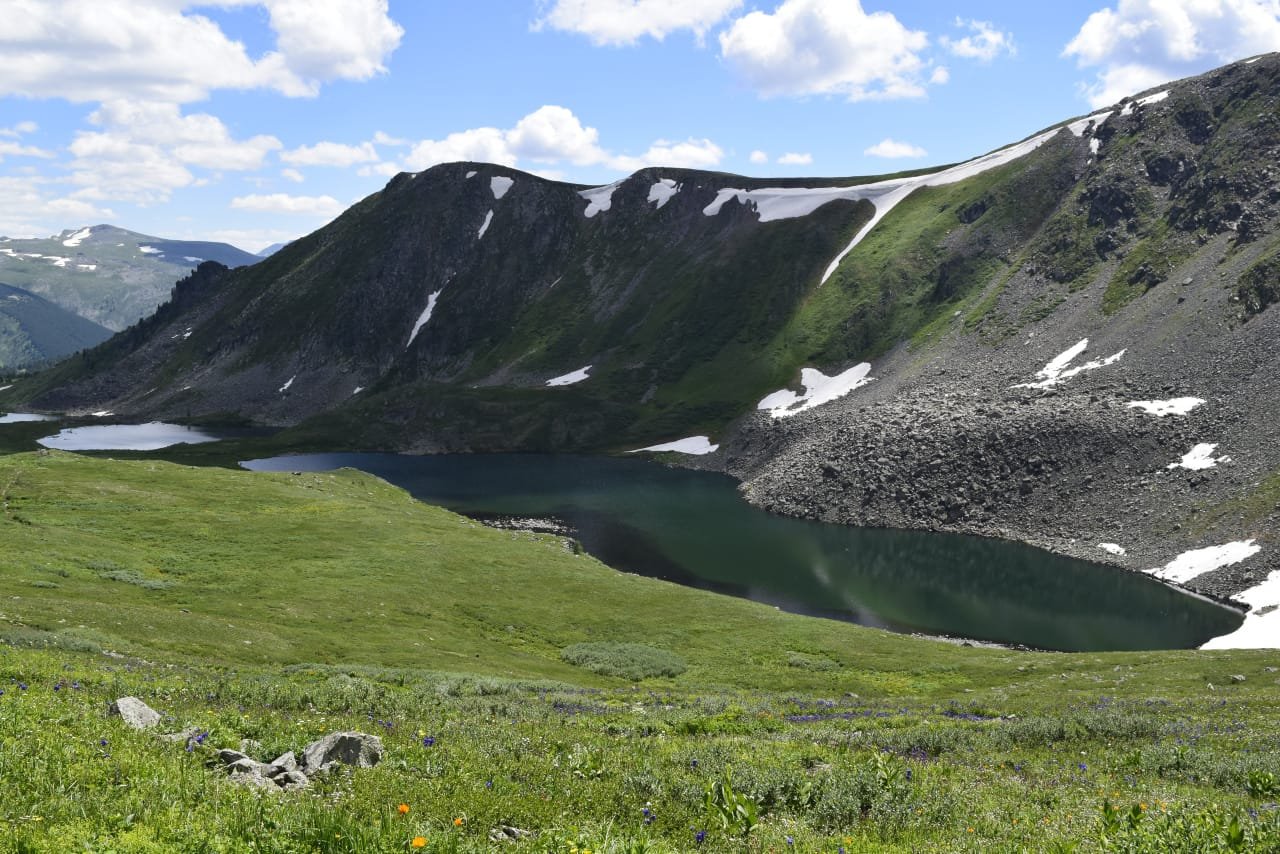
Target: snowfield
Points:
(1188, 565)
(488, 218)
(1161, 408)
(1261, 628)
(1057, 370)
(662, 192)
(818, 389)
(1199, 458)
(500, 185)
(599, 199)
(423, 318)
(570, 378)
(697, 446)
(75, 239)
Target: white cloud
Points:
(554, 133)
(985, 43)
(146, 150)
(381, 138)
(14, 149)
(20, 129)
(892, 148)
(385, 170)
(293, 175)
(792, 158)
(550, 135)
(331, 154)
(619, 22)
(318, 206)
(940, 76)
(27, 209)
(249, 239)
(690, 154)
(759, 157)
(817, 47)
(161, 50)
(484, 145)
(1138, 44)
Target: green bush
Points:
(632, 661)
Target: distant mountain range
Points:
(109, 275)
(272, 249)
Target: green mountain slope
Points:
(34, 331)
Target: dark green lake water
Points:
(694, 529)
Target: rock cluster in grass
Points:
(289, 771)
(284, 773)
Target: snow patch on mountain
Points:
(662, 192)
(599, 199)
(1199, 458)
(697, 446)
(1261, 627)
(818, 389)
(500, 185)
(1189, 565)
(75, 239)
(1161, 408)
(570, 378)
(150, 250)
(488, 218)
(1057, 371)
(424, 317)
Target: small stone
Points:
(1237, 678)
(135, 713)
(246, 772)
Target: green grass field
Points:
(280, 607)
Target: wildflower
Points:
(403, 809)
(428, 741)
(700, 837)
(693, 763)
(457, 822)
(790, 842)
(418, 842)
(22, 686)
(488, 784)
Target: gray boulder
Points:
(346, 748)
(287, 762)
(246, 772)
(135, 713)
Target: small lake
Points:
(694, 529)
(23, 418)
(127, 437)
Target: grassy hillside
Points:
(281, 607)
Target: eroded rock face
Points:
(135, 713)
(346, 748)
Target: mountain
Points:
(1069, 341)
(107, 274)
(34, 330)
(271, 250)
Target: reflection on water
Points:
(693, 528)
(127, 437)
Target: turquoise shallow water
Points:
(693, 528)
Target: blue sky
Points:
(254, 121)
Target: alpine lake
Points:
(693, 528)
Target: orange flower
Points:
(418, 842)
(403, 809)
(457, 822)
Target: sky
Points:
(258, 121)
